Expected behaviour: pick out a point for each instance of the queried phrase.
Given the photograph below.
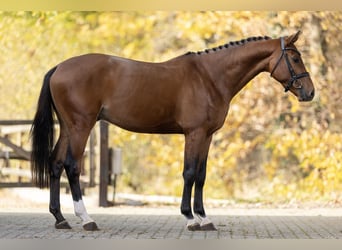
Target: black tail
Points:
(42, 133)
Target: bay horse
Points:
(189, 94)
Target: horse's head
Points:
(288, 68)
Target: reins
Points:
(294, 76)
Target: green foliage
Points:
(272, 147)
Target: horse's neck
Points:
(231, 69)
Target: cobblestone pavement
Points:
(131, 222)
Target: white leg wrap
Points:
(192, 222)
(203, 220)
(81, 212)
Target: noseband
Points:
(294, 76)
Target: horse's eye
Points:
(295, 59)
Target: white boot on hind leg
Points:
(80, 211)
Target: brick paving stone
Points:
(166, 223)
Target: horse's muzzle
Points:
(306, 96)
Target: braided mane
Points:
(230, 44)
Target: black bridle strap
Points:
(294, 76)
(281, 56)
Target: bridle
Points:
(294, 76)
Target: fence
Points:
(15, 158)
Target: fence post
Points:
(116, 167)
(104, 164)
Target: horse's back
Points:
(138, 96)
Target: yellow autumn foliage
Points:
(271, 147)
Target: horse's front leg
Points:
(195, 155)
(205, 223)
(189, 173)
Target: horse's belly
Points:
(143, 121)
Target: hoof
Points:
(194, 227)
(208, 227)
(91, 226)
(62, 225)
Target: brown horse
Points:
(189, 95)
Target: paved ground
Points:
(24, 215)
(132, 222)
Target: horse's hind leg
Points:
(73, 164)
(56, 170)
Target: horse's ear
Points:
(293, 38)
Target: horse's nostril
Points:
(312, 94)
